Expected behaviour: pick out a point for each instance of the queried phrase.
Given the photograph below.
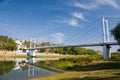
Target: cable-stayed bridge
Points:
(94, 34)
(79, 45)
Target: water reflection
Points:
(23, 69)
(31, 71)
(6, 66)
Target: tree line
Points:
(7, 43)
(70, 50)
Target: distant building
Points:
(20, 45)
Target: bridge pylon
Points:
(106, 48)
(32, 51)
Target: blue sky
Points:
(53, 20)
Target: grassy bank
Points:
(88, 75)
(88, 69)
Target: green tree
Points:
(116, 33)
(91, 52)
(7, 43)
(11, 45)
(42, 50)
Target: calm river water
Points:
(23, 69)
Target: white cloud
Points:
(84, 6)
(79, 15)
(96, 3)
(73, 22)
(59, 37)
(70, 22)
(112, 3)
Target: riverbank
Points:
(96, 70)
(13, 54)
(87, 75)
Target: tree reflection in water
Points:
(6, 66)
(23, 68)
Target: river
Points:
(23, 69)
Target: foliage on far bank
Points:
(69, 50)
(74, 51)
(116, 33)
(66, 63)
(115, 55)
(7, 43)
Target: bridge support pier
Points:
(106, 51)
(32, 52)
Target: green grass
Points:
(67, 63)
(91, 69)
(88, 75)
(116, 55)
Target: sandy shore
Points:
(13, 54)
(10, 53)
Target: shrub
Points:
(115, 55)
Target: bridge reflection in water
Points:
(24, 69)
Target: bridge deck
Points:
(79, 45)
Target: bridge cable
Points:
(80, 31)
(86, 37)
(88, 31)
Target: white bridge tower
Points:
(32, 45)
(106, 48)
